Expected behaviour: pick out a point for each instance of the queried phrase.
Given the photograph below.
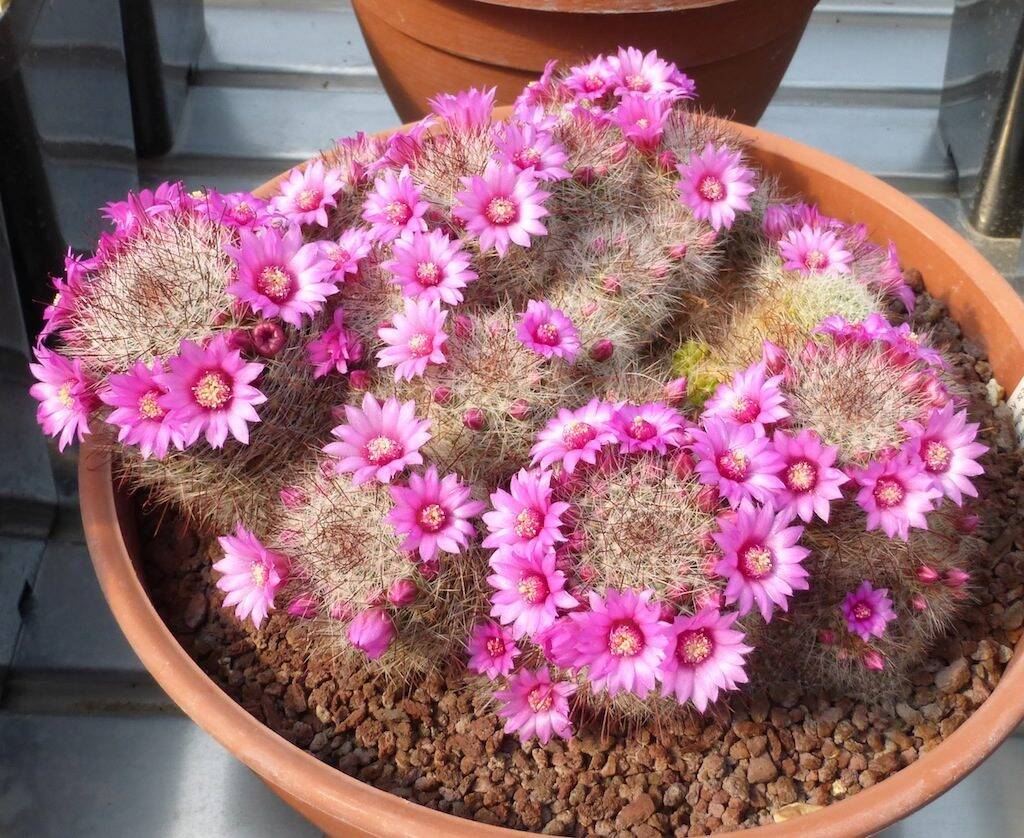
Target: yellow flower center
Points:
(212, 390)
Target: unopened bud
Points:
(611, 285)
(442, 394)
(967, 523)
(707, 499)
(303, 607)
(675, 390)
(293, 497)
(359, 380)
(918, 602)
(872, 660)
(463, 326)
(520, 409)
(927, 574)
(474, 419)
(402, 592)
(956, 578)
(602, 350)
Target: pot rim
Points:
(930, 244)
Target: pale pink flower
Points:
(278, 275)
(737, 459)
(465, 112)
(395, 206)
(525, 514)
(65, 395)
(345, 254)
(548, 332)
(415, 338)
(760, 559)
(535, 706)
(634, 72)
(591, 80)
(705, 656)
(335, 349)
(752, 397)
(308, 193)
(501, 206)
(897, 494)
(648, 427)
(814, 250)
(525, 146)
(715, 185)
(378, 440)
(948, 449)
(138, 415)
(430, 267)
(809, 480)
(641, 120)
(529, 590)
(492, 650)
(250, 575)
(575, 436)
(433, 514)
(372, 631)
(868, 611)
(209, 390)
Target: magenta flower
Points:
(948, 450)
(139, 206)
(433, 514)
(623, 641)
(210, 391)
(250, 575)
(525, 515)
(528, 589)
(135, 397)
(736, 459)
(814, 250)
(868, 611)
(67, 291)
(415, 338)
(65, 396)
(714, 185)
(430, 267)
(536, 706)
(705, 656)
(575, 436)
(889, 280)
(648, 427)
(641, 120)
(378, 441)
(501, 206)
(307, 193)
(279, 276)
(760, 559)
(809, 480)
(896, 493)
(465, 112)
(492, 650)
(394, 206)
(634, 72)
(752, 397)
(591, 80)
(548, 332)
(345, 254)
(234, 209)
(525, 146)
(372, 632)
(335, 348)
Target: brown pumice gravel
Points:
(766, 757)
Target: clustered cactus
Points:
(572, 400)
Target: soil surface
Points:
(764, 758)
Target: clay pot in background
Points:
(736, 50)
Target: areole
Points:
(984, 304)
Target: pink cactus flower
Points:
(140, 420)
(345, 254)
(814, 250)
(525, 515)
(896, 493)
(335, 349)
(67, 291)
(504, 205)
(430, 267)
(304, 607)
(234, 209)
(372, 631)
(809, 480)
(548, 332)
(715, 185)
(378, 440)
(308, 193)
(648, 427)
(751, 397)
(394, 206)
(525, 146)
(529, 590)
(868, 611)
(279, 276)
(140, 206)
(65, 396)
(761, 559)
(889, 280)
(634, 72)
(641, 120)
(736, 459)
(415, 338)
(575, 436)
(209, 390)
(465, 112)
(705, 656)
(591, 80)
(535, 706)
(492, 650)
(946, 446)
(433, 514)
(250, 575)
(623, 640)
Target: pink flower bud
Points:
(678, 251)
(602, 350)
(956, 578)
(402, 592)
(918, 602)
(267, 338)
(619, 152)
(927, 574)
(826, 637)
(967, 523)
(474, 419)
(442, 394)
(668, 612)
(774, 357)
(303, 607)
(708, 599)
(293, 497)
(589, 308)
(372, 631)
(707, 499)
(359, 380)
(659, 271)
(240, 340)
(341, 611)
(675, 390)
(682, 464)
(872, 660)
(708, 239)
(678, 591)
(584, 174)
(429, 569)
(611, 285)
(668, 160)
(706, 541)
(520, 409)
(463, 326)
(587, 573)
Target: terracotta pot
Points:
(736, 50)
(989, 312)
